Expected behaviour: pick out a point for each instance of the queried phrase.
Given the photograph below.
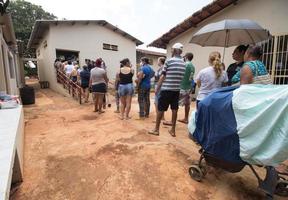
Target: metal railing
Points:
(275, 58)
(73, 88)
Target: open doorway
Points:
(67, 55)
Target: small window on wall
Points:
(110, 47)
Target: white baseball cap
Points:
(177, 46)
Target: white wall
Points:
(270, 14)
(89, 39)
(8, 69)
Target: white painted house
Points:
(10, 72)
(11, 120)
(81, 38)
(270, 14)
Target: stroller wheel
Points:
(282, 188)
(196, 173)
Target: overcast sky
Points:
(144, 19)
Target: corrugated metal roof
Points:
(41, 26)
(192, 21)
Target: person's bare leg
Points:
(174, 119)
(122, 106)
(128, 106)
(157, 125)
(87, 94)
(100, 102)
(95, 102)
(185, 120)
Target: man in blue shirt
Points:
(144, 85)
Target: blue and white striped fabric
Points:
(244, 124)
(174, 70)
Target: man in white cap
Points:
(169, 86)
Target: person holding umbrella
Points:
(254, 70)
(238, 56)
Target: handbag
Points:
(263, 79)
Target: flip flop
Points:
(183, 121)
(122, 118)
(153, 132)
(171, 133)
(167, 123)
(100, 112)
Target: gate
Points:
(275, 58)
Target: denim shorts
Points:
(126, 89)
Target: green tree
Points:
(24, 14)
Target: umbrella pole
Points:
(226, 40)
(223, 54)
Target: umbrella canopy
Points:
(229, 33)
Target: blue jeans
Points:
(126, 90)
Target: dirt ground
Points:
(72, 153)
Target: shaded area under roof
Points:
(192, 21)
(150, 52)
(41, 26)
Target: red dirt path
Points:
(72, 153)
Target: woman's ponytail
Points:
(215, 61)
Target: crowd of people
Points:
(173, 81)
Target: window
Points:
(110, 47)
(114, 47)
(275, 58)
(45, 44)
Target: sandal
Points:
(183, 121)
(167, 123)
(172, 133)
(153, 132)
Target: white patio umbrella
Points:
(229, 33)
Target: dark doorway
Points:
(67, 55)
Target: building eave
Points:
(41, 26)
(192, 21)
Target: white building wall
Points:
(8, 73)
(88, 40)
(270, 14)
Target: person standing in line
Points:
(98, 82)
(185, 91)
(161, 62)
(126, 88)
(84, 82)
(238, 56)
(117, 96)
(68, 68)
(169, 86)
(211, 78)
(144, 85)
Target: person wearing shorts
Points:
(185, 91)
(169, 86)
(126, 88)
(84, 82)
(98, 82)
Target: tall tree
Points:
(24, 14)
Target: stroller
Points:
(223, 129)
